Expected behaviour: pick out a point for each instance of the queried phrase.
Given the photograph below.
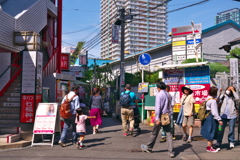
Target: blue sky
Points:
(82, 17)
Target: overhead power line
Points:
(84, 29)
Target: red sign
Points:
(82, 60)
(38, 99)
(200, 92)
(27, 109)
(65, 61)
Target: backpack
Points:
(65, 108)
(202, 111)
(125, 99)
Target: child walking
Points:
(81, 126)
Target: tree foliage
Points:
(192, 60)
(217, 67)
(235, 51)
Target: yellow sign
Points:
(177, 107)
(179, 43)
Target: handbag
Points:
(165, 119)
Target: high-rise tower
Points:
(232, 14)
(147, 29)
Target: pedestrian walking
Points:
(164, 139)
(81, 126)
(162, 106)
(96, 110)
(228, 113)
(70, 121)
(127, 100)
(209, 128)
(187, 102)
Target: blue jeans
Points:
(172, 127)
(66, 126)
(231, 133)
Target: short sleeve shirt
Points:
(81, 126)
(132, 95)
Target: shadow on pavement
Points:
(95, 140)
(181, 148)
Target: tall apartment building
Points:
(147, 29)
(232, 14)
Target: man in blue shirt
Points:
(162, 106)
(127, 111)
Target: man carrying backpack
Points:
(127, 100)
(74, 103)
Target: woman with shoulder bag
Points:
(187, 102)
(209, 128)
(228, 113)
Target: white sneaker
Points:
(232, 145)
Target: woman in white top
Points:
(209, 128)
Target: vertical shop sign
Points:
(39, 73)
(65, 61)
(82, 60)
(27, 109)
(29, 72)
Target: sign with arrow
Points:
(186, 30)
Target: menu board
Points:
(29, 71)
(45, 118)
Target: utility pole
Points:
(122, 64)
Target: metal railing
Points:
(15, 70)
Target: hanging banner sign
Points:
(45, 118)
(115, 33)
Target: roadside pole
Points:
(142, 99)
(122, 64)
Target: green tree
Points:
(235, 51)
(217, 67)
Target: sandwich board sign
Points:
(45, 121)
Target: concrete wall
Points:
(215, 39)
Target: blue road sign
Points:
(144, 59)
(192, 42)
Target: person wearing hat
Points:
(187, 102)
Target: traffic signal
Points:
(226, 48)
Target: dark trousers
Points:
(154, 134)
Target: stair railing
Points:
(15, 70)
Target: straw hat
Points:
(187, 88)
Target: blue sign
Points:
(197, 75)
(192, 41)
(144, 59)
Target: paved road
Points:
(111, 145)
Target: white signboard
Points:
(82, 60)
(39, 73)
(29, 71)
(234, 73)
(45, 118)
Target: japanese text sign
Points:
(173, 76)
(65, 63)
(200, 92)
(45, 119)
(197, 75)
(27, 109)
(82, 60)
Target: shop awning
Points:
(77, 82)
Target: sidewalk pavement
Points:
(111, 144)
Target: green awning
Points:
(77, 82)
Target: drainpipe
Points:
(59, 36)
